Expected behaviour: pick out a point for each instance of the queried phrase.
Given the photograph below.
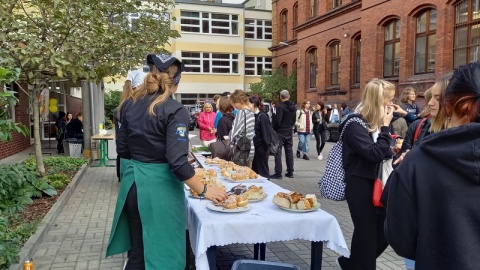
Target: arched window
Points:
(284, 25)
(391, 53)
(295, 17)
(313, 8)
(334, 49)
(425, 42)
(284, 69)
(336, 3)
(295, 65)
(357, 46)
(466, 48)
(312, 62)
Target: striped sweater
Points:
(238, 128)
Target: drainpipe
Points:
(87, 119)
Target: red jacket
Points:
(206, 121)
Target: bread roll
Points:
(294, 197)
(312, 199)
(303, 204)
(281, 200)
(242, 200)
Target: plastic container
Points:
(262, 265)
(74, 148)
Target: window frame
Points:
(254, 24)
(357, 59)
(468, 23)
(209, 60)
(335, 47)
(206, 19)
(336, 3)
(426, 34)
(284, 25)
(313, 8)
(265, 62)
(295, 18)
(312, 63)
(394, 41)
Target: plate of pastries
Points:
(255, 193)
(233, 204)
(207, 177)
(296, 202)
(235, 173)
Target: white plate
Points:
(315, 208)
(265, 195)
(213, 207)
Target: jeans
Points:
(409, 264)
(320, 138)
(303, 142)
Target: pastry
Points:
(255, 193)
(399, 143)
(230, 202)
(303, 204)
(281, 199)
(312, 199)
(294, 197)
(242, 200)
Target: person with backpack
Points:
(61, 125)
(304, 129)
(243, 130)
(366, 143)
(262, 138)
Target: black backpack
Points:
(275, 141)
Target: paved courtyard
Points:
(79, 236)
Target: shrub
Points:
(58, 181)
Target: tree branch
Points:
(23, 90)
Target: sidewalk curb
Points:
(31, 245)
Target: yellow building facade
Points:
(223, 46)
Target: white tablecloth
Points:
(265, 222)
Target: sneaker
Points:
(298, 154)
(125, 264)
(320, 157)
(289, 175)
(275, 176)
(338, 264)
(306, 157)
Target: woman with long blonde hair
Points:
(150, 206)
(366, 143)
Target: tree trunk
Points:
(36, 129)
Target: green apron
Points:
(162, 210)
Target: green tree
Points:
(270, 85)
(7, 101)
(112, 99)
(82, 39)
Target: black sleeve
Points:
(358, 138)
(177, 144)
(314, 118)
(417, 109)
(222, 128)
(409, 136)
(264, 123)
(401, 223)
(121, 137)
(279, 116)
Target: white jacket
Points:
(301, 121)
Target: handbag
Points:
(219, 149)
(384, 170)
(332, 184)
(240, 152)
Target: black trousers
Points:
(136, 259)
(320, 138)
(368, 241)
(117, 165)
(260, 161)
(60, 149)
(286, 141)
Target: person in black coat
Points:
(225, 123)
(75, 127)
(363, 150)
(262, 138)
(433, 214)
(61, 125)
(319, 123)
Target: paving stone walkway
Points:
(79, 236)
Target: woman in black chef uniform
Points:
(150, 213)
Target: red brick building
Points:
(339, 45)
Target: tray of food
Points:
(235, 173)
(296, 202)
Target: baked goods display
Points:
(214, 161)
(234, 201)
(255, 193)
(236, 172)
(208, 177)
(294, 200)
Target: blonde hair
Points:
(428, 95)
(126, 94)
(371, 107)
(157, 82)
(406, 92)
(438, 122)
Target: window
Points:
(295, 64)
(217, 63)
(133, 19)
(284, 26)
(466, 48)
(295, 18)
(335, 63)
(208, 23)
(336, 3)
(258, 29)
(357, 47)
(257, 65)
(284, 69)
(391, 54)
(313, 8)
(425, 42)
(312, 61)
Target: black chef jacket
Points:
(161, 138)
